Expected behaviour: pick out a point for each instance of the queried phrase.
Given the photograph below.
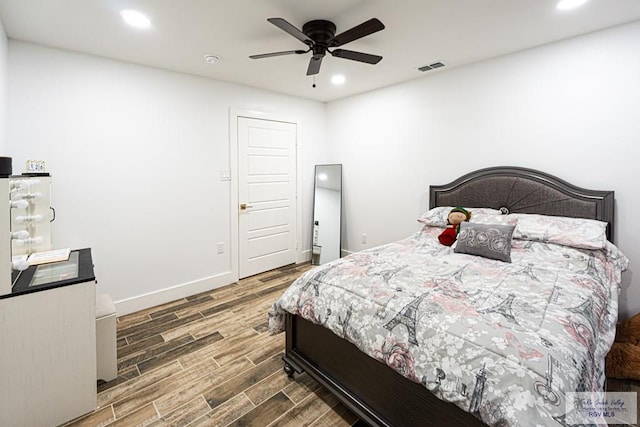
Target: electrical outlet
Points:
(364, 238)
(220, 247)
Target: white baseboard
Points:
(345, 252)
(162, 296)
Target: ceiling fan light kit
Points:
(320, 37)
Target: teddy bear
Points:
(456, 216)
(623, 360)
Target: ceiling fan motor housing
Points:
(321, 32)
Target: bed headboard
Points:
(522, 190)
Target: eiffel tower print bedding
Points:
(503, 341)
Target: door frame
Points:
(234, 114)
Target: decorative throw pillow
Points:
(486, 240)
(573, 232)
(437, 217)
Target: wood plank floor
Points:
(208, 360)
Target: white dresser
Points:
(48, 346)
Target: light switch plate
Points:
(225, 175)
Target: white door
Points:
(266, 195)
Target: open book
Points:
(55, 255)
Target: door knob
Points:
(244, 206)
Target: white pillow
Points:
(437, 217)
(575, 232)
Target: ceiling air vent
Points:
(431, 66)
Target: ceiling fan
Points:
(320, 38)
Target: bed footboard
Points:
(373, 391)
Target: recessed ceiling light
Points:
(569, 4)
(211, 59)
(135, 18)
(338, 79)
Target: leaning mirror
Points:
(327, 214)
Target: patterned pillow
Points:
(486, 240)
(573, 232)
(494, 219)
(437, 217)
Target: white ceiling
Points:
(418, 32)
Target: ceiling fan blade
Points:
(314, 65)
(356, 56)
(287, 27)
(369, 27)
(286, 52)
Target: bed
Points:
(414, 333)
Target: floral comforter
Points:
(503, 341)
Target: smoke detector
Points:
(211, 59)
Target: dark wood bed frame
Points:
(373, 391)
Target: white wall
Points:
(3, 90)
(570, 108)
(135, 154)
